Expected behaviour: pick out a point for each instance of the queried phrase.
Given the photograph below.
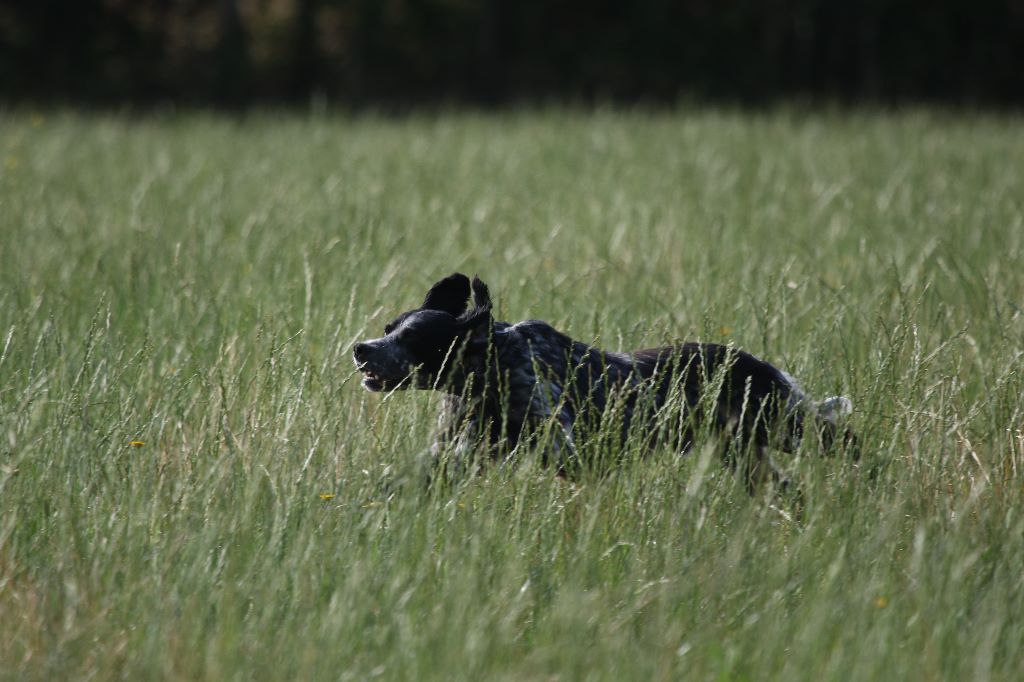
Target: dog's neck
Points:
(475, 364)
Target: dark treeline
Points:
(381, 52)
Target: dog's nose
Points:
(360, 351)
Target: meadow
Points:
(193, 486)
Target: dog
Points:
(509, 384)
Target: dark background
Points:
(493, 52)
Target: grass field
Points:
(193, 485)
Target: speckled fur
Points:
(505, 383)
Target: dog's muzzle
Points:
(361, 355)
(377, 375)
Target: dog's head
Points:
(420, 347)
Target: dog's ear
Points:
(481, 311)
(450, 295)
(481, 296)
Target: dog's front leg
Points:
(455, 442)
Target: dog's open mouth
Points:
(376, 383)
(372, 382)
(377, 378)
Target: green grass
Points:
(195, 282)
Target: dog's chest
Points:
(528, 396)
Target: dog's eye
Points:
(388, 328)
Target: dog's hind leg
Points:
(745, 449)
(562, 452)
(758, 469)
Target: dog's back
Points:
(546, 371)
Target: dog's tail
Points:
(834, 407)
(824, 420)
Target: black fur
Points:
(504, 383)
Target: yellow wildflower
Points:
(326, 496)
(137, 443)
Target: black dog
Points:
(505, 383)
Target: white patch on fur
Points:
(625, 358)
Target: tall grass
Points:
(193, 485)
